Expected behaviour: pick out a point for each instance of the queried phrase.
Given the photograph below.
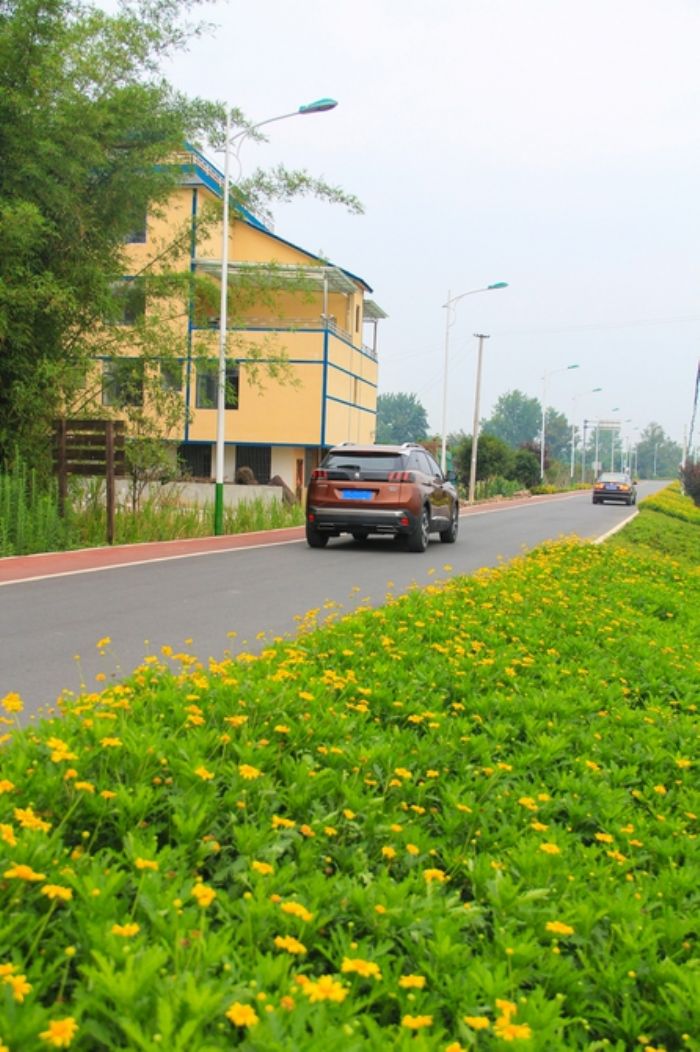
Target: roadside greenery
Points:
(30, 522)
(467, 819)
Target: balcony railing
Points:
(321, 322)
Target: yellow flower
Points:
(28, 820)
(506, 1008)
(389, 852)
(367, 969)
(278, 822)
(290, 944)
(125, 930)
(412, 982)
(107, 794)
(326, 988)
(412, 849)
(203, 773)
(262, 867)
(60, 1032)
(417, 1022)
(437, 875)
(477, 1022)
(56, 891)
(454, 1047)
(21, 872)
(145, 863)
(295, 909)
(203, 894)
(12, 702)
(604, 838)
(104, 642)
(550, 849)
(402, 772)
(559, 928)
(7, 834)
(249, 773)
(242, 1015)
(85, 787)
(511, 1031)
(6, 786)
(20, 986)
(110, 743)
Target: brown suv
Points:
(399, 490)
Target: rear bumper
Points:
(351, 520)
(624, 498)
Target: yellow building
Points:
(303, 309)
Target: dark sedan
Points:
(614, 485)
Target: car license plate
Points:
(357, 494)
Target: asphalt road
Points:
(49, 627)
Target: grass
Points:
(467, 819)
(30, 522)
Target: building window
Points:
(194, 461)
(137, 234)
(171, 375)
(129, 301)
(258, 459)
(122, 382)
(207, 382)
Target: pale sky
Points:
(550, 144)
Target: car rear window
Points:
(610, 476)
(364, 462)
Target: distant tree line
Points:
(509, 442)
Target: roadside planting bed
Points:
(467, 819)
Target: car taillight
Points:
(401, 476)
(319, 473)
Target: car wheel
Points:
(420, 534)
(314, 538)
(449, 536)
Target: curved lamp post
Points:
(552, 372)
(320, 106)
(451, 301)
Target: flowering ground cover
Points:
(467, 819)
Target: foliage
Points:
(557, 436)
(84, 121)
(400, 418)
(671, 501)
(493, 457)
(526, 468)
(472, 809)
(657, 456)
(690, 477)
(30, 523)
(29, 518)
(87, 128)
(516, 419)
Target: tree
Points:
(557, 436)
(400, 418)
(87, 127)
(493, 457)
(526, 468)
(657, 456)
(516, 419)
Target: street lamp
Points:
(544, 410)
(593, 390)
(449, 321)
(320, 106)
(475, 429)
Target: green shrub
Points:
(467, 817)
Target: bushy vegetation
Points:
(30, 521)
(467, 819)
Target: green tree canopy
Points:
(557, 436)
(87, 127)
(657, 456)
(493, 457)
(400, 418)
(516, 419)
